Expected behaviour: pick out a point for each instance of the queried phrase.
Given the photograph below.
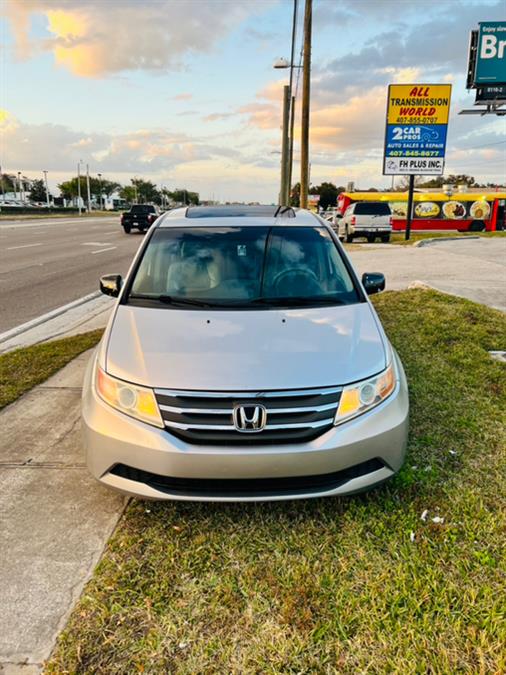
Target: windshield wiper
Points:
(172, 300)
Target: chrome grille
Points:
(293, 416)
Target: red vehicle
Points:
(461, 211)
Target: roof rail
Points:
(284, 211)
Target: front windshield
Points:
(241, 267)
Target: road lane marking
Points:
(12, 248)
(96, 243)
(103, 250)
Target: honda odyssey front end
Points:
(243, 361)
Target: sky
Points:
(183, 92)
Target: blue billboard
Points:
(491, 53)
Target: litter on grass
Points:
(424, 514)
(411, 536)
(438, 519)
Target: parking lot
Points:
(473, 269)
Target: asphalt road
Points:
(47, 263)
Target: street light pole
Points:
(79, 186)
(47, 191)
(88, 187)
(19, 184)
(292, 102)
(283, 193)
(306, 84)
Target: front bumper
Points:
(126, 454)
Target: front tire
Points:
(477, 226)
(385, 238)
(371, 238)
(347, 236)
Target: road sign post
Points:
(409, 214)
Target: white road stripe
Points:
(96, 243)
(103, 250)
(12, 248)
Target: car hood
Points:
(245, 350)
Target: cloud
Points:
(98, 38)
(185, 96)
(58, 147)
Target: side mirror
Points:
(339, 215)
(373, 282)
(110, 284)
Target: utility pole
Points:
(284, 191)
(290, 148)
(79, 186)
(19, 185)
(47, 191)
(88, 187)
(306, 84)
(2, 181)
(292, 103)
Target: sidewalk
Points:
(55, 519)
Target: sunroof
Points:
(240, 212)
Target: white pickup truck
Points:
(365, 219)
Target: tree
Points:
(146, 190)
(127, 192)
(184, 196)
(403, 183)
(8, 183)
(295, 195)
(69, 189)
(108, 187)
(38, 191)
(328, 194)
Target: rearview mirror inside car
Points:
(110, 284)
(373, 282)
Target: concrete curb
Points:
(435, 240)
(22, 328)
(88, 313)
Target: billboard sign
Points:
(415, 135)
(491, 94)
(491, 54)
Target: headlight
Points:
(138, 402)
(362, 396)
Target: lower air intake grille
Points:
(244, 487)
(291, 416)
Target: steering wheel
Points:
(291, 275)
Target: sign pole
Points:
(409, 213)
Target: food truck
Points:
(461, 211)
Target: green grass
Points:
(398, 237)
(39, 216)
(331, 585)
(24, 368)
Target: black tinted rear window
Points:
(372, 209)
(143, 208)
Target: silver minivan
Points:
(243, 361)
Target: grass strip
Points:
(24, 368)
(353, 585)
(398, 237)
